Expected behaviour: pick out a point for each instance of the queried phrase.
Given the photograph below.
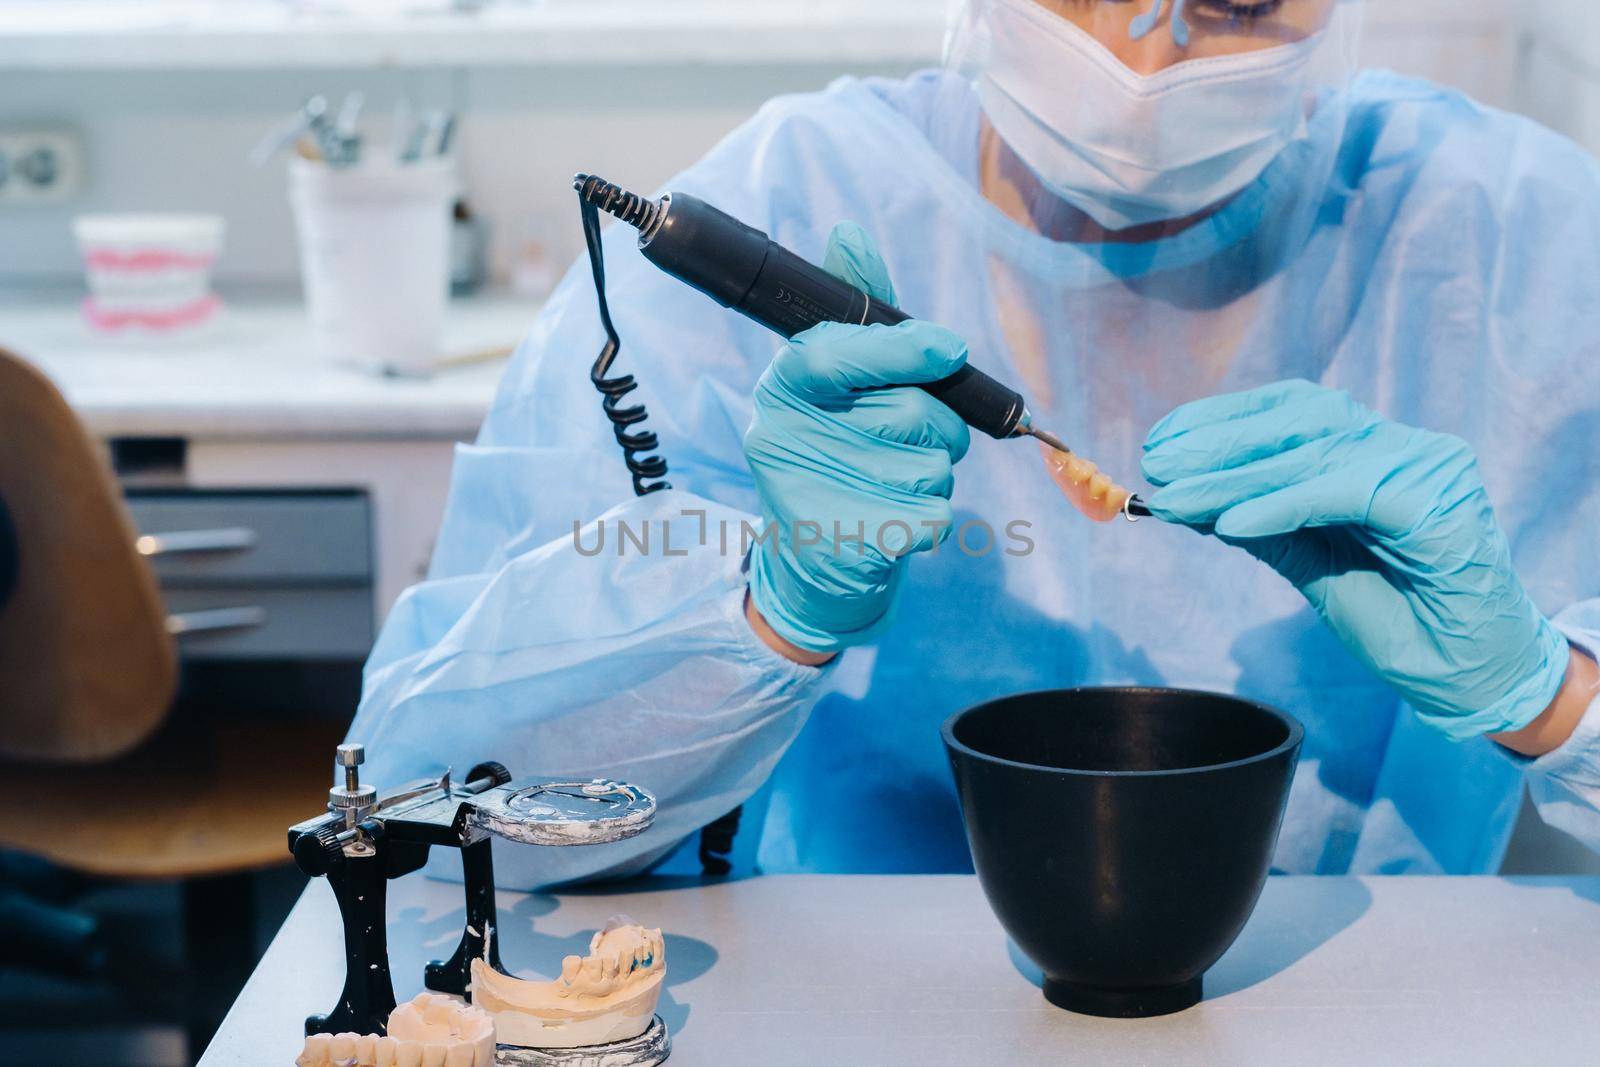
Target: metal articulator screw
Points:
(487, 775)
(352, 800)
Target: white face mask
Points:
(1128, 149)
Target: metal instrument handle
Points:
(225, 539)
(196, 622)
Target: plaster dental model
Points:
(1090, 491)
(432, 1030)
(609, 995)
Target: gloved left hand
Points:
(1388, 532)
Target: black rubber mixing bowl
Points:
(1122, 836)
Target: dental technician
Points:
(1341, 330)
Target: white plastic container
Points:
(149, 273)
(375, 259)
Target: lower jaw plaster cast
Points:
(608, 995)
(432, 1030)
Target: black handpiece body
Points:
(742, 268)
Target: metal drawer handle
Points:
(199, 622)
(226, 539)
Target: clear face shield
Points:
(1134, 116)
(1163, 161)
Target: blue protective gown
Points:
(1443, 269)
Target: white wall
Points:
(1559, 66)
(1471, 44)
(178, 140)
(1541, 57)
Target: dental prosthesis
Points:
(1085, 486)
(609, 995)
(433, 1030)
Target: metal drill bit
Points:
(1047, 437)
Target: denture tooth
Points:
(570, 965)
(459, 1055)
(315, 1053)
(383, 1051)
(433, 1054)
(592, 968)
(343, 1047)
(483, 1052)
(1095, 494)
(408, 1054)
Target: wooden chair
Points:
(90, 777)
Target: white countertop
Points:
(251, 373)
(870, 970)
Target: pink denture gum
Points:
(1090, 491)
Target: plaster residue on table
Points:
(871, 970)
(251, 373)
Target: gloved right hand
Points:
(841, 446)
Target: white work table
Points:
(867, 970)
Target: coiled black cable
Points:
(596, 194)
(635, 210)
(648, 471)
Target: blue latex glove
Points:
(832, 449)
(1387, 531)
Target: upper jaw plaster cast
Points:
(608, 995)
(432, 1030)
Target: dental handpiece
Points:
(742, 268)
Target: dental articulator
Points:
(600, 1010)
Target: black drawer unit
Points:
(283, 575)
